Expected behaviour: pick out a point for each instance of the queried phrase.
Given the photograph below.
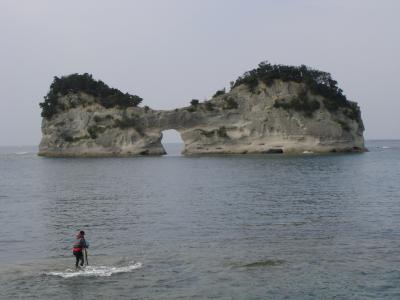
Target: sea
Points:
(266, 226)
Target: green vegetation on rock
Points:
(230, 103)
(193, 105)
(75, 83)
(125, 122)
(209, 106)
(344, 125)
(95, 130)
(219, 93)
(219, 132)
(194, 102)
(102, 118)
(301, 103)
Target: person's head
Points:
(82, 233)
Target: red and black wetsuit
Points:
(79, 245)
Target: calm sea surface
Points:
(223, 227)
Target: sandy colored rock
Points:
(240, 121)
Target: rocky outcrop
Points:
(278, 117)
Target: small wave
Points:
(10, 241)
(97, 271)
(307, 152)
(265, 263)
(21, 153)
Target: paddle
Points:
(87, 262)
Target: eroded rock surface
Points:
(257, 120)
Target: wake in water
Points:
(99, 271)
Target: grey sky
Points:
(170, 51)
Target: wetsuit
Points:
(77, 250)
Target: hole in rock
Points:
(172, 142)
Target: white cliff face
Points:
(237, 122)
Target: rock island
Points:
(271, 109)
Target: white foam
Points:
(99, 271)
(307, 152)
(21, 153)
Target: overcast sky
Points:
(171, 51)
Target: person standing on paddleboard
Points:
(80, 245)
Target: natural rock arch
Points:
(172, 142)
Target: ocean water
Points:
(207, 227)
